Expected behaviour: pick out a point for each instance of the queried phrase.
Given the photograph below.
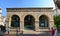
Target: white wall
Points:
(0, 13)
(56, 12)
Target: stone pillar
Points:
(9, 22)
(6, 23)
(51, 23)
(36, 25)
(21, 25)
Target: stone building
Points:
(57, 6)
(2, 25)
(29, 20)
(57, 3)
(1, 18)
(1, 21)
(0, 12)
(57, 10)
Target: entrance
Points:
(43, 21)
(15, 21)
(29, 22)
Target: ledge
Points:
(29, 9)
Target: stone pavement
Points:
(30, 34)
(58, 34)
(41, 34)
(27, 35)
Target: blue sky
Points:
(24, 3)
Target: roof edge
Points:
(30, 7)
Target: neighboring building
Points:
(0, 12)
(1, 21)
(2, 25)
(57, 2)
(57, 6)
(4, 20)
(57, 10)
(30, 20)
(1, 18)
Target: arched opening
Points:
(43, 21)
(15, 21)
(29, 22)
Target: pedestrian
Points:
(52, 31)
(1, 33)
(8, 30)
(55, 32)
(0, 29)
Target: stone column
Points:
(36, 25)
(21, 25)
(51, 20)
(9, 22)
(51, 23)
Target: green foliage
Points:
(54, 26)
(57, 20)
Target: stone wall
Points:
(35, 12)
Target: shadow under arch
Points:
(44, 21)
(29, 22)
(15, 21)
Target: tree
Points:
(57, 21)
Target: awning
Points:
(1, 24)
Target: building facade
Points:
(0, 12)
(57, 10)
(30, 20)
(57, 6)
(1, 18)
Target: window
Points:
(43, 21)
(15, 21)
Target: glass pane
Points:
(15, 21)
(43, 21)
(28, 22)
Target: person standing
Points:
(55, 32)
(1, 33)
(0, 29)
(8, 30)
(52, 31)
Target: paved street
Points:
(26, 35)
(29, 35)
(41, 34)
(58, 34)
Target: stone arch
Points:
(15, 21)
(44, 15)
(44, 21)
(29, 22)
(30, 15)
